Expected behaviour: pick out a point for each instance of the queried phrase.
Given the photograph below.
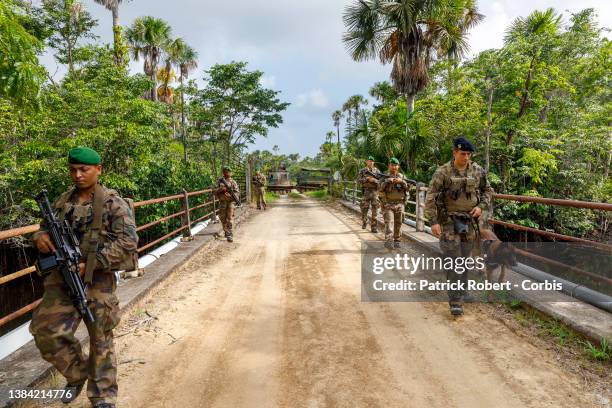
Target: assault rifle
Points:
(378, 176)
(230, 191)
(409, 181)
(66, 257)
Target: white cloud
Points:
(315, 98)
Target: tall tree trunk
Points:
(117, 37)
(410, 153)
(488, 129)
(154, 79)
(70, 59)
(607, 168)
(339, 146)
(183, 131)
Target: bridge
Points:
(276, 319)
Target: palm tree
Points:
(165, 93)
(383, 92)
(187, 61)
(409, 34)
(337, 117)
(173, 49)
(113, 6)
(148, 37)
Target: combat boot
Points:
(456, 309)
(230, 238)
(364, 225)
(396, 244)
(72, 391)
(388, 244)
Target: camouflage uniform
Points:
(259, 182)
(227, 206)
(369, 197)
(394, 198)
(55, 320)
(453, 192)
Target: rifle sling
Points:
(94, 233)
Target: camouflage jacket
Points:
(259, 180)
(393, 192)
(118, 241)
(221, 193)
(362, 178)
(453, 191)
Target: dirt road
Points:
(275, 320)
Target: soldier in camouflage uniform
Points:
(227, 205)
(394, 189)
(55, 320)
(458, 190)
(369, 198)
(259, 182)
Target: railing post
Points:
(247, 182)
(186, 219)
(214, 217)
(354, 192)
(420, 205)
(344, 190)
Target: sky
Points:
(297, 44)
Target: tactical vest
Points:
(367, 185)
(462, 193)
(86, 221)
(395, 192)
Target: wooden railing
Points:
(184, 228)
(351, 192)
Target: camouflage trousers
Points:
(454, 246)
(369, 200)
(54, 323)
(226, 215)
(393, 214)
(260, 197)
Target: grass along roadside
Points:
(562, 334)
(271, 196)
(319, 195)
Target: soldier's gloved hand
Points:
(81, 269)
(227, 194)
(476, 212)
(44, 244)
(436, 230)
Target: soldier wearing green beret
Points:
(227, 206)
(369, 197)
(104, 225)
(394, 190)
(459, 191)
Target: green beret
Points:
(226, 168)
(393, 160)
(83, 155)
(371, 158)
